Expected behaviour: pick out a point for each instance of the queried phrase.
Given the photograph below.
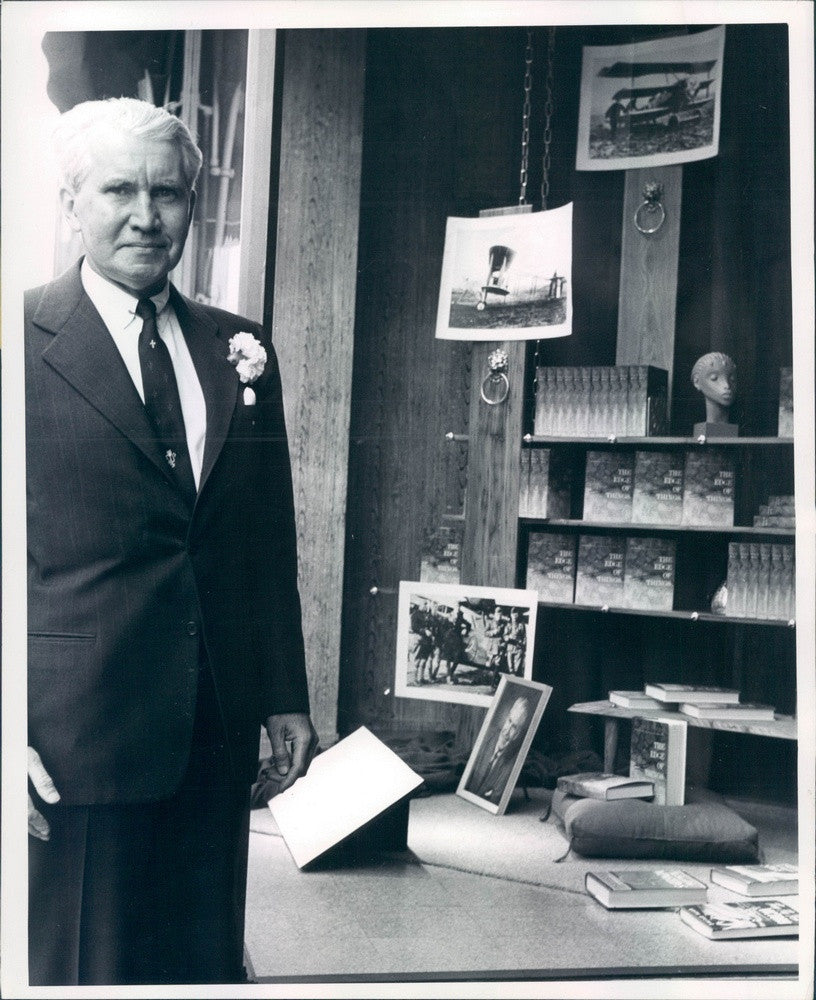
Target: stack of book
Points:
(778, 512)
(761, 581)
(625, 572)
(695, 701)
(785, 424)
(545, 483)
(591, 401)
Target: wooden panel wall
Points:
(648, 278)
(424, 159)
(258, 115)
(313, 321)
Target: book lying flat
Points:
(744, 712)
(636, 699)
(769, 918)
(758, 880)
(600, 785)
(645, 888)
(692, 693)
(658, 753)
(346, 788)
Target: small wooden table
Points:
(783, 727)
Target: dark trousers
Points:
(146, 893)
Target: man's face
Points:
(513, 725)
(133, 210)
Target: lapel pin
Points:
(249, 396)
(171, 458)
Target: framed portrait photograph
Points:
(507, 277)
(502, 744)
(650, 104)
(455, 643)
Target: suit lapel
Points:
(84, 353)
(219, 381)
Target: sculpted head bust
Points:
(714, 375)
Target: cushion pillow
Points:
(632, 828)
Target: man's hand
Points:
(41, 780)
(296, 729)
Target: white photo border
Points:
(551, 230)
(454, 594)
(596, 55)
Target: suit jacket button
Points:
(192, 628)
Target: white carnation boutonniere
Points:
(248, 355)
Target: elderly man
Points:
(494, 763)
(163, 611)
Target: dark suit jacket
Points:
(490, 782)
(125, 580)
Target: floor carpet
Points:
(478, 896)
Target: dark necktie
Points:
(162, 398)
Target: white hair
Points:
(519, 710)
(76, 128)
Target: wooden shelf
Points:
(709, 529)
(783, 727)
(657, 442)
(689, 616)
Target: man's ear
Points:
(192, 206)
(68, 206)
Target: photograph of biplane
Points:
(651, 103)
(507, 277)
(455, 643)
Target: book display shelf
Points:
(700, 551)
(589, 506)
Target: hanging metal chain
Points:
(525, 118)
(548, 112)
(545, 193)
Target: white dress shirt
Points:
(117, 309)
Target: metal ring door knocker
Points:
(650, 215)
(496, 385)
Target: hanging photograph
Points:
(455, 643)
(498, 754)
(650, 104)
(507, 277)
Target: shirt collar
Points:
(116, 306)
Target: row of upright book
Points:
(599, 400)
(688, 487)
(761, 581)
(634, 572)
(621, 400)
